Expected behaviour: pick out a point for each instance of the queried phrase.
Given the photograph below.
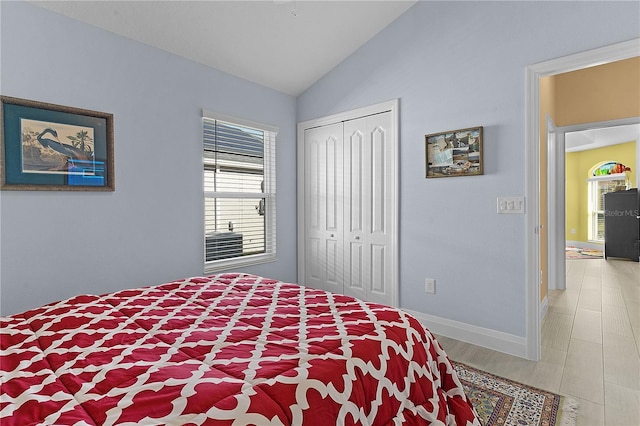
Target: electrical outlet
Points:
(430, 285)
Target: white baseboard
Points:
(544, 305)
(480, 336)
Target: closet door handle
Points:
(357, 237)
(332, 235)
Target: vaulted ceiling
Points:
(285, 45)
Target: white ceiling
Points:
(597, 138)
(282, 44)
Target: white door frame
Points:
(556, 214)
(600, 56)
(392, 106)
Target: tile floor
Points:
(590, 344)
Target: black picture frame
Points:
(49, 147)
(454, 153)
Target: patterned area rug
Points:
(499, 401)
(581, 253)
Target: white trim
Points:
(239, 121)
(392, 106)
(613, 176)
(234, 264)
(480, 336)
(556, 269)
(603, 55)
(590, 58)
(532, 217)
(544, 307)
(599, 125)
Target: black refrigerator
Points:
(622, 224)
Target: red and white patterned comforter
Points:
(227, 349)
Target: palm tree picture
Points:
(81, 140)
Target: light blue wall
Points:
(452, 64)
(55, 245)
(455, 65)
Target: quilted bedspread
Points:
(227, 349)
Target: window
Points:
(605, 178)
(239, 192)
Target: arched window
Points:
(604, 177)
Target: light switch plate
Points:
(510, 205)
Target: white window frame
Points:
(595, 183)
(268, 194)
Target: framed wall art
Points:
(53, 147)
(454, 153)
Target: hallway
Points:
(590, 344)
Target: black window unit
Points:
(223, 245)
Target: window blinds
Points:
(239, 192)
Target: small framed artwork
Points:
(454, 153)
(53, 147)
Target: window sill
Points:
(224, 265)
(615, 176)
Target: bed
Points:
(227, 349)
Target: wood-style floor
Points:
(590, 344)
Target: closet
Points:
(349, 205)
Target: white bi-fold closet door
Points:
(350, 207)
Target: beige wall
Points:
(601, 93)
(605, 92)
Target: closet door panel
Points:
(314, 170)
(323, 208)
(379, 208)
(333, 227)
(314, 272)
(333, 275)
(353, 284)
(313, 214)
(378, 178)
(331, 200)
(355, 205)
(378, 260)
(354, 182)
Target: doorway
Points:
(534, 73)
(577, 138)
